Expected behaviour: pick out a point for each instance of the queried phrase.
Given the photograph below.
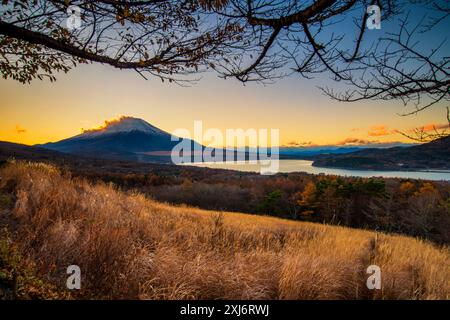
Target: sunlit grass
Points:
(131, 247)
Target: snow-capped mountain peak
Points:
(123, 124)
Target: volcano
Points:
(126, 138)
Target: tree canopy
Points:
(248, 40)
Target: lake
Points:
(306, 166)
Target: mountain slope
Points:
(428, 156)
(127, 138)
(24, 152)
(130, 247)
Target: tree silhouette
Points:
(249, 40)
(166, 39)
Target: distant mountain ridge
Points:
(433, 155)
(133, 139)
(126, 138)
(311, 151)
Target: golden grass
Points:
(131, 247)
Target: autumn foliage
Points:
(131, 247)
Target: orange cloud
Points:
(299, 144)
(435, 126)
(19, 129)
(365, 142)
(379, 130)
(355, 142)
(106, 124)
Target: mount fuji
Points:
(126, 138)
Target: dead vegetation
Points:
(128, 246)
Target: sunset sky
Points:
(85, 97)
(90, 94)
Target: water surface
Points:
(306, 166)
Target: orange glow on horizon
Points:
(47, 112)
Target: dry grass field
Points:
(131, 247)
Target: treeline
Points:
(412, 207)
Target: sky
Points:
(90, 94)
(87, 96)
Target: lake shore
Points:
(288, 166)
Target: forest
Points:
(406, 206)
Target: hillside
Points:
(434, 155)
(128, 246)
(85, 164)
(21, 151)
(404, 206)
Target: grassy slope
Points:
(131, 247)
